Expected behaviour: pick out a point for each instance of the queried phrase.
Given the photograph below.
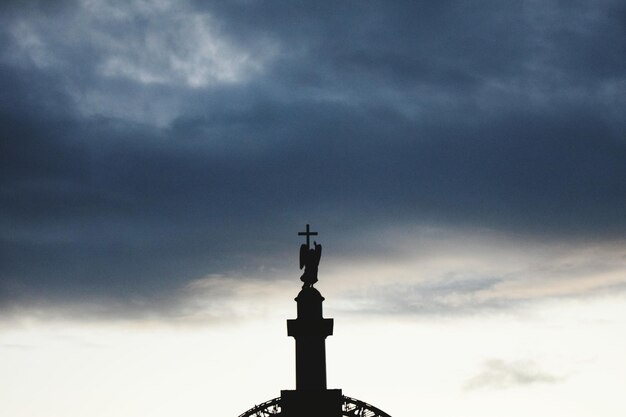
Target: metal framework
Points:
(267, 409)
(351, 407)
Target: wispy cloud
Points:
(144, 41)
(500, 374)
(445, 276)
(132, 60)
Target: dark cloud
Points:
(124, 175)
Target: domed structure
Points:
(312, 398)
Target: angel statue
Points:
(309, 260)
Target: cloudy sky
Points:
(463, 162)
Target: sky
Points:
(464, 164)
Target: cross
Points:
(307, 234)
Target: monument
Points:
(311, 398)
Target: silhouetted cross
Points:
(307, 234)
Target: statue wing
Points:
(318, 253)
(304, 252)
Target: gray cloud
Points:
(350, 117)
(499, 374)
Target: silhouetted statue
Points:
(309, 259)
